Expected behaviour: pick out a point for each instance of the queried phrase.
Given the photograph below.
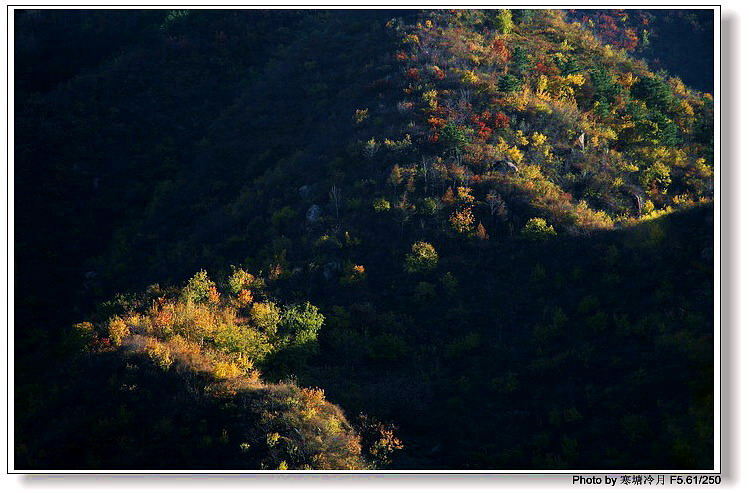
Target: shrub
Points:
(449, 283)
(241, 283)
(462, 221)
(387, 347)
(242, 340)
(468, 77)
(463, 345)
(505, 384)
(223, 370)
(266, 316)
(353, 274)
(657, 177)
(159, 354)
(425, 293)
(381, 439)
(428, 206)
(361, 115)
(537, 229)
(465, 196)
(423, 258)
(481, 232)
(200, 289)
(82, 335)
(118, 330)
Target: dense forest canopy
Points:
(359, 239)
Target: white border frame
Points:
(718, 388)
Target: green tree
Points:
(240, 280)
(509, 83)
(423, 258)
(302, 323)
(567, 64)
(503, 21)
(664, 130)
(200, 289)
(654, 91)
(387, 347)
(522, 16)
(425, 293)
(656, 176)
(520, 61)
(537, 229)
(266, 316)
(453, 137)
(606, 87)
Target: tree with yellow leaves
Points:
(462, 220)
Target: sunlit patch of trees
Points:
(552, 99)
(229, 337)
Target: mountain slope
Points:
(505, 224)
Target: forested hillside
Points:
(451, 239)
